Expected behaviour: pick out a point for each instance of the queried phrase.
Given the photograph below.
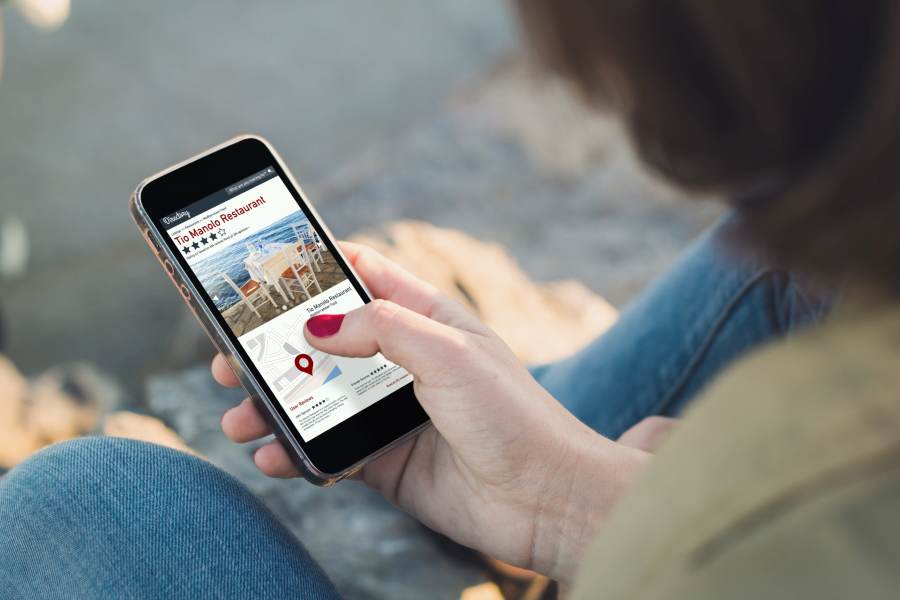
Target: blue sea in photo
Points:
(231, 259)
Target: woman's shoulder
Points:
(857, 350)
(807, 430)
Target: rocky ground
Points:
(368, 548)
(513, 161)
(124, 89)
(517, 161)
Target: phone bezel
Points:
(352, 441)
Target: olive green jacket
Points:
(783, 481)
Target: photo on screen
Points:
(268, 273)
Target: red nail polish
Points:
(324, 325)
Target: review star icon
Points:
(213, 236)
(195, 245)
(185, 250)
(204, 241)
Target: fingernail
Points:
(324, 325)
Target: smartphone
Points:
(254, 261)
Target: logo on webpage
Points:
(176, 217)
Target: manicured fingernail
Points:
(324, 325)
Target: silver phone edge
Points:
(219, 338)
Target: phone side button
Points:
(170, 269)
(152, 242)
(185, 292)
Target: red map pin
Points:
(304, 362)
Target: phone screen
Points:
(264, 266)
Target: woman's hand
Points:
(505, 469)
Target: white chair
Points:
(309, 239)
(252, 293)
(299, 273)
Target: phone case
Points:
(220, 340)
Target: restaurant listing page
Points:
(265, 268)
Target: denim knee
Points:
(714, 304)
(104, 517)
(92, 460)
(84, 474)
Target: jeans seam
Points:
(707, 343)
(815, 306)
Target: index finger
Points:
(222, 373)
(389, 281)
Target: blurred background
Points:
(386, 111)
(123, 89)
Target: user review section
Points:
(257, 258)
(338, 387)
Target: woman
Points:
(782, 482)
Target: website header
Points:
(179, 217)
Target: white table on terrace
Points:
(268, 265)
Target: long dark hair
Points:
(789, 108)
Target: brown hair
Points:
(790, 108)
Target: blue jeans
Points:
(111, 518)
(711, 307)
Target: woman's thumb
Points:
(404, 337)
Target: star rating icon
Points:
(213, 236)
(185, 250)
(204, 241)
(195, 245)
